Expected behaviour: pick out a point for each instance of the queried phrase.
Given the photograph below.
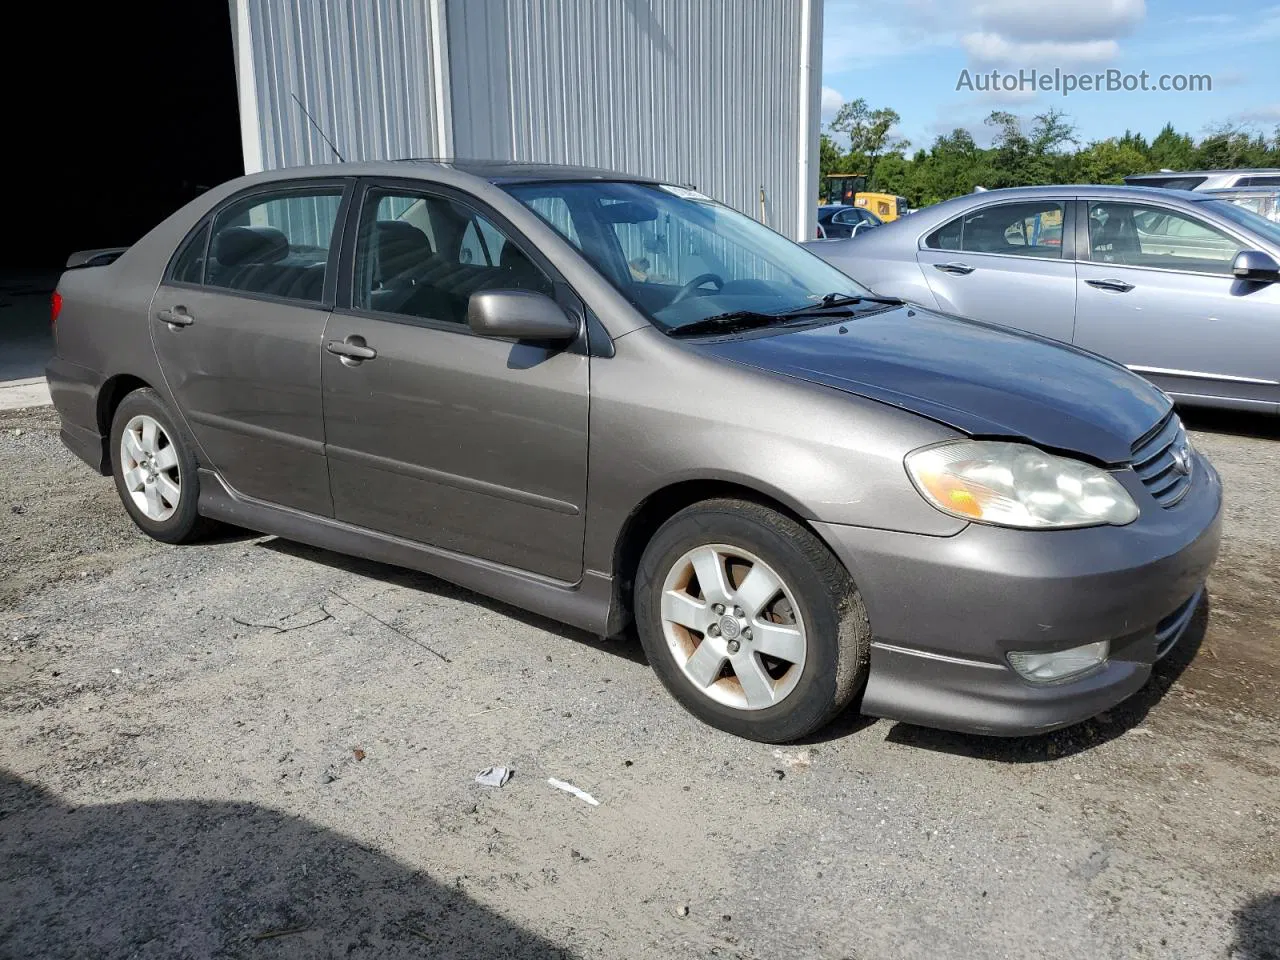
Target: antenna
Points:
(317, 126)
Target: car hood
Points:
(978, 378)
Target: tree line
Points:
(1046, 150)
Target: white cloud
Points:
(831, 102)
(862, 33)
(1267, 115)
(999, 49)
(1058, 20)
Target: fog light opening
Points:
(1051, 666)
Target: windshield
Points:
(680, 257)
(1246, 218)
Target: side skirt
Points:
(586, 604)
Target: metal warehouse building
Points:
(720, 94)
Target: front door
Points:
(237, 326)
(469, 444)
(1005, 263)
(1158, 295)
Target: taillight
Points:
(55, 307)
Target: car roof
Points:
(1164, 174)
(507, 171)
(1119, 192)
(494, 171)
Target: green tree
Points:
(1171, 150)
(831, 159)
(1108, 161)
(870, 133)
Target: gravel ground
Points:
(255, 749)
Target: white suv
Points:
(1206, 179)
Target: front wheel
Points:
(750, 621)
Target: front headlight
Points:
(1017, 485)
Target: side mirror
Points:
(1256, 266)
(519, 315)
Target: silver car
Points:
(1181, 287)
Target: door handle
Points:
(177, 317)
(1119, 286)
(960, 269)
(351, 351)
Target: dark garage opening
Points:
(117, 114)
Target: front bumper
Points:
(945, 611)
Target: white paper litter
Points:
(570, 788)
(494, 776)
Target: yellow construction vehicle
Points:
(843, 187)
(886, 206)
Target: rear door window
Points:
(1023, 229)
(188, 267)
(1028, 229)
(275, 244)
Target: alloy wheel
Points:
(733, 627)
(149, 466)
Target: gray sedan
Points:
(610, 400)
(1181, 287)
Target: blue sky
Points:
(908, 54)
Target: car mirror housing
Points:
(519, 315)
(1256, 266)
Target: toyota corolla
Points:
(612, 400)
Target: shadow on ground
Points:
(1236, 422)
(169, 879)
(1080, 737)
(1258, 929)
(627, 646)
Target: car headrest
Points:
(514, 259)
(235, 246)
(400, 233)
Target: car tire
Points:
(156, 472)
(757, 679)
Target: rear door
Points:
(469, 444)
(1006, 263)
(1157, 294)
(237, 326)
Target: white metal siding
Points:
(707, 92)
(721, 94)
(363, 68)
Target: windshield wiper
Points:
(844, 300)
(729, 322)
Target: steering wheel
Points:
(703, 278)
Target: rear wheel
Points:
(750, 621)
(155, 469)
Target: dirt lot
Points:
(256, 749)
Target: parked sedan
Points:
(1181, 287)
(803, 495)
(839, 220)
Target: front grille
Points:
(1171, 627)
(1163, 462)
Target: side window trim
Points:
(203, 225)
(1085, 247)
(273, 188)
